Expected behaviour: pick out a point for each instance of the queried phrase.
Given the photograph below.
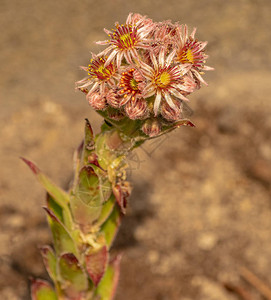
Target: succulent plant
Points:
(138, 84)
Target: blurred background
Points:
(200, 209)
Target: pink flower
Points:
(190, 51)
(146, 72)
(99, 76)
(164, 36)
(127, 38)
(131, 85)
(137, 109)
(169, 113)
(165, 80)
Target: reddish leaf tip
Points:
(89, 126)
(96, 264)
(31, 165)
(51, 214)
(70, 258)
(37, 284)
(44, 249)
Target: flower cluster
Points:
(146, 72)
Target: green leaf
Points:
(63, 241)
(62, 213)
(83, 214)
(107, 287)
(106, 210)
(92, 190)
(73, 278)
(111, 226)
(88, 187)
(55, 207)
(42, 290)
(49, 261)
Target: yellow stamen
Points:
(134, 84)
(190, 56)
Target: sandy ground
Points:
(200, 208)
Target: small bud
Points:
(113, 99)
(190, 84)
(169, 113)
(151, 127)
(96, 101)
(136, 109)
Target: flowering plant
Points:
(139, 84)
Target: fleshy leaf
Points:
(49, 260)
(74, 280)
(61, 197)
(62, 213)
(63, 241)
(88, 197)
(42, 290)
(87, 188)
(55, 207)
(106, 210)
(83, 214)
(96, 263)
(107, 287)
(111, 226)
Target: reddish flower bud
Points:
(96, 101)
(137, 109)
(169, 113)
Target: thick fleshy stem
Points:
(84, 221)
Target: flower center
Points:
(96, 69)
(186, 56)
(128, 84)
(134, 84)
(190, 56)
(124, 37)
(162, 80)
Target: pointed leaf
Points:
(62, 213)
(61, 197)
(55, 207)
(74, 280)
(49, 260)
(184, 123)
(63, 241)
(42, 290)
(88, 142)
(111, 226)
(76, 163)
(107, 287)
(96, 262)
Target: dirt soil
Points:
(200, 209)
